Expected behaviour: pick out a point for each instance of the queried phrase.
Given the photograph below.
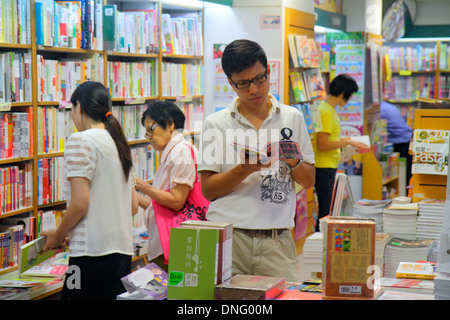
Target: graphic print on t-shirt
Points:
(276, 184)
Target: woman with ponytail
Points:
(101, 198)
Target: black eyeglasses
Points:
(242, 84)
(150, 130)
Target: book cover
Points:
(416, 270)
(192, 263)
(430, 151)
(284, 149)
(150, 280)
(349, 249)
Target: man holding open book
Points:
(258, 197)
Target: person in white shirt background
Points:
(101, 199)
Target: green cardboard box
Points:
(193, 258)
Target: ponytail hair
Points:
(95, 102)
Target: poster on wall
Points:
(269, 21)
(350, 60)
(275, 77)
(328, 5)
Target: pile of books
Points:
(147, 283)
(371, 209)
(381, 239)
(429, 221)
(442, 286)
(401, 220)
(313, 253)
(400, 250)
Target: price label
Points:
(405, 73)
(5, 106)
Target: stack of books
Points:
(429, 221)
(313, 253)
(147, 283)
(371, 209)
(400, 250)
(442, 286)
(401, 220)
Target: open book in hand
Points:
(281, 150)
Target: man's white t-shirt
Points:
(107, 225)
(265, 199)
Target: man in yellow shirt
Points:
(327, 143)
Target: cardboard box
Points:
(349, 249)
(193, 255)
(250, 287)
(225, 245)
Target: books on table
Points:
(406, 285)
(442, 286)
(416, 270)
(400, 250)
(430, 151)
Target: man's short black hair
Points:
(242, 54)
(344, 84)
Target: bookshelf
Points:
(52, 66)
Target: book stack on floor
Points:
(401, 220)
(420, 286)
(401, 250)
(412, 281)
(349, 246)
(313, 253)
(429, 221)
(371, 209)
(146, 283)
(442, 286)
(38, 274)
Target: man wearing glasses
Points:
(258, 198)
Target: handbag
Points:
(195, 208)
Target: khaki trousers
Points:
(265, 255)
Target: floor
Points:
(301, 274)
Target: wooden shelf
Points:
(41, 48)
(16, 212)
(14, 160)
(14, 46)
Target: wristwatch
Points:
(297, 165)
